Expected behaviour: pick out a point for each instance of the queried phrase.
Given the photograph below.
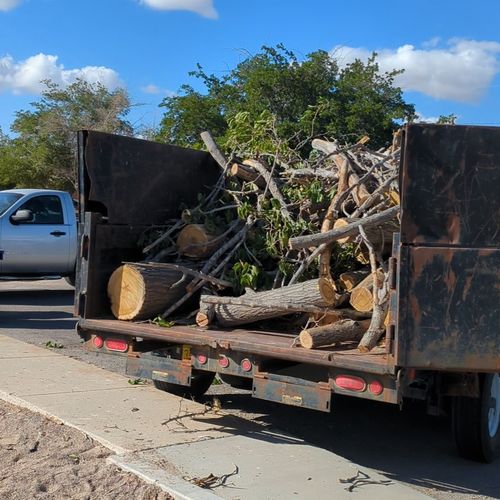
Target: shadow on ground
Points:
(407, 446)
(36, 309)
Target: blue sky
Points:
(450, 49)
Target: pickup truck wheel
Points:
(476, 422)
(200, 383)
(237, 382)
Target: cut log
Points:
(196, 242)
(253, 306)
(142, 292)
(314, 240)
(247, 173)
(352, 278)
(333, 315)
(340, 331)
(379, 235)
(362, 294)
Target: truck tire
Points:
(200, 383)
(476, 422)
(237, 382)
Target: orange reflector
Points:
(376, 387)
(98, 342)
(116, 345)
(350, 383)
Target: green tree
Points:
(42, 152)
(306, 98)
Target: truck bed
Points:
(262, 343)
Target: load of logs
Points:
(187, 264)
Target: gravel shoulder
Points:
(43, 459)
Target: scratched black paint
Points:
(451, 186)
(449, 282)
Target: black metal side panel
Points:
(449, 309)
(451, 186)
(137, 182)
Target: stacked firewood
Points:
(356, 210)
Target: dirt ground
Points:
(43, 459)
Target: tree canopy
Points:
(308, 98)
(42, 152)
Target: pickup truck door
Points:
(40, 246)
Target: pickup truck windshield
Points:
(7, 200)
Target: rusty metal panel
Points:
(449, 309)
(450, 186)
(137, 182)
(169, 370)
(292, 392)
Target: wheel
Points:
(476, 422)
(237, 382)
(200, 383)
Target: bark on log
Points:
(270, 183)
(247, 173)
(341, 331)
(256, 306)
(196, 242)
(352, 278)
(380, 235)
(317, 239)
(362, 294)
(142, 292)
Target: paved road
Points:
(407, 446)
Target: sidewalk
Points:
(168, 440)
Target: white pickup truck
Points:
(38, 234)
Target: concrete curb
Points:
(179, 488)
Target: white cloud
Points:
(24, 77)
(154, 89)
(6, 5)
(203, 7)
(461, 71)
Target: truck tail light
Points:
(350, 383)
(376, 387)
(116, 345)
(202, 359)
(246, 365)
(98, 342)
(223, 361)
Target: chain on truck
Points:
(443, 339)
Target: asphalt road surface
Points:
(406, 445)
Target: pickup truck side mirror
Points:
(21, 216)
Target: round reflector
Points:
(223, 361)
(246, 365)
(98, 342)
(376, 387)
(202, 358)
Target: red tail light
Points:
(98, 342)
(350, 383)
(246, 365)
(202, 359)
(223, 361)
(376, 387)
(116, 345)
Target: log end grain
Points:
(126, 291)
(195, 241)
